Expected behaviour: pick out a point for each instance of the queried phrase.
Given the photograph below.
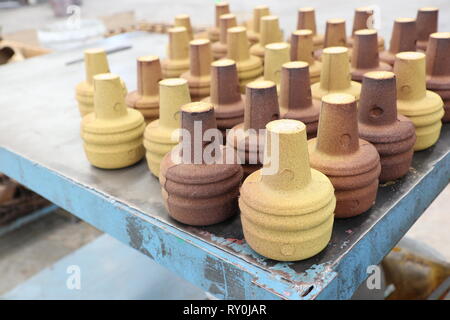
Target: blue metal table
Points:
(41, 148)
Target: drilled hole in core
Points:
(375, 112)
(307, 291)
(345, 140)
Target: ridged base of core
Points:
(297, 234)
(155, 156)
(116, 144)
(253, 37)
(357, 74)
(445, 95)
(446, 117)
(200, 203)
(116, 156)
(426, 115)
(314, 72)
(85, 107)
(219, 50)
(84, 94)
(354, 89)
(387, 57)
(213, 34)
(157, 144)
(199, 93)
(351, 203)
(318, 41)
(394, 167)
(428, 135)
(257, 50)
(174, 70)
(354, 176)
(249, 71)
(149, 108)
(422, 45)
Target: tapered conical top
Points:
(200, 57)
(178, 44)
(427, 23)
(306, 19)
(335, 33)
(276, 55)
(335, 69)
(95, 62)
(173, 93)
(196, 119)
(149, 75)
(286, 151)
(224, 82)
(259, 12)
(295, 89)
(183, 20)
(404, 35)
(270, 30)
(338, 125)
(302, 46)
(237, 48)
(438, 58)
(365, 50)
(410, 70)
(226, 22)
(362, 19)
(378, 102)
(221, 9)
(109, 102)
(261, 104)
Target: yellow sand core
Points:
(277, 46)
(227, 16)
(303, 32)
(222, 4)
(335, 21)
(338, 98)
(306, 9)
(379, 75)
(410, 55)
(182, 16)
(295, 65)
(366, 32)
(177, 30)
(269, 18)
(172, 82)
(106, 76)
(148, 58)
(197, 107)
(404, 20)
(440, 35)
(237, 29)
(199, 42)
(334, 50)
(260, 84)
(223, 63)
(261, 6)
(427, 9)
(285, 126)
(94, 50)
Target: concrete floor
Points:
(26, 251)
(38, 245)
